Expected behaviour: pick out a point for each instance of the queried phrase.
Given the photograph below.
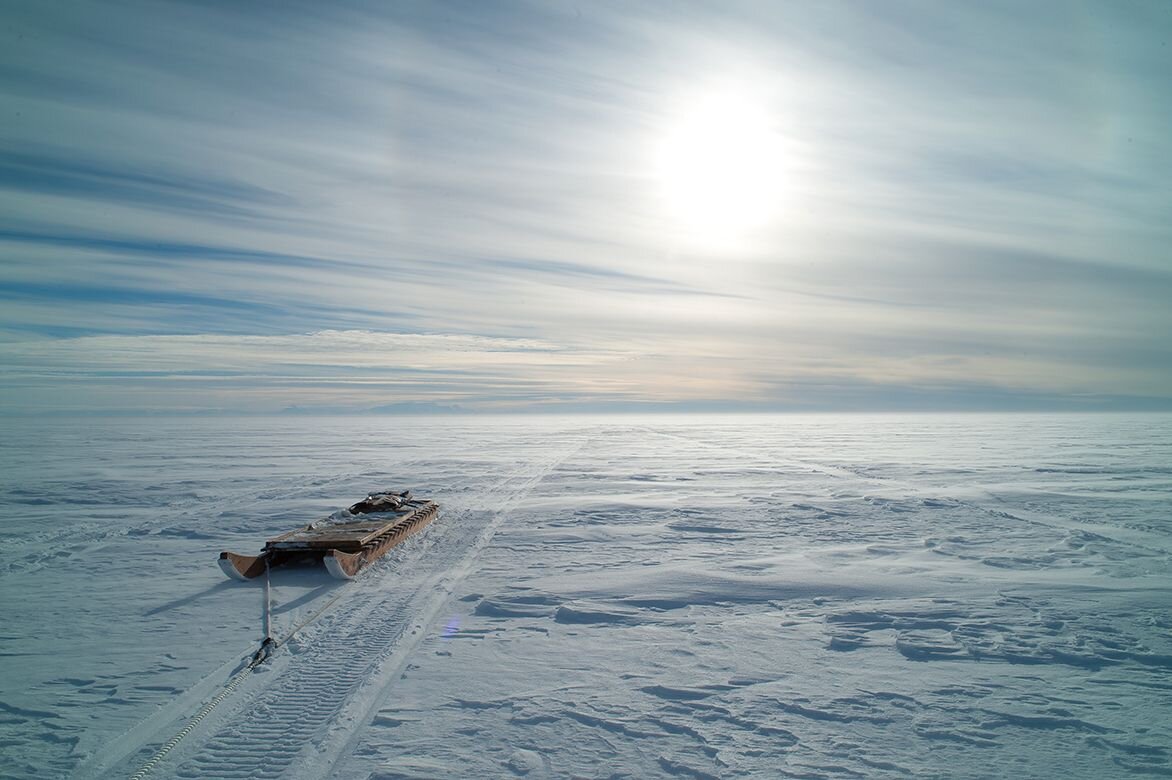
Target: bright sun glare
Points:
(720, 169)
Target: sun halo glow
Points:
(719, 168)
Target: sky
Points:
(513, 206)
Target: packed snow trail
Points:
(303, 714)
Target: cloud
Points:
(978, 200)
(363, 367)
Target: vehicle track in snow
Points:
(305, 712)
(1112, 533)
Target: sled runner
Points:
(382, 520)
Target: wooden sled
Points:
(345, 548)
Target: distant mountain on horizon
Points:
(402, 407)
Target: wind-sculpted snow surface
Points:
(757, 596)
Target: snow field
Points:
(757, 596)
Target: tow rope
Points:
(267, 647)
(262, 653)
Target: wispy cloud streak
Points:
(304, 203)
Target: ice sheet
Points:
(739, 596)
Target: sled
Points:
(387, 519)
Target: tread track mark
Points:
(1052, 523)
(355, 654)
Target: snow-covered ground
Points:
(740, 596)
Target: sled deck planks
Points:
(344, 548)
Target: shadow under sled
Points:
(344, 548)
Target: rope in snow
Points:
(310, 619)
(260, 656)
(268, 613)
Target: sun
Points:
(720, 169)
